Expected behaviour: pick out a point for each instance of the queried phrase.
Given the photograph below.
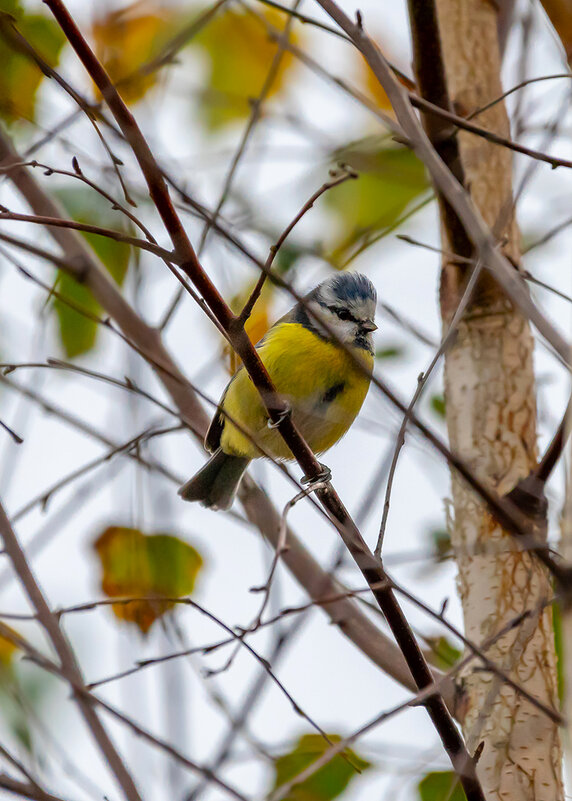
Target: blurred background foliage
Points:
(237, 74)
(134, 42)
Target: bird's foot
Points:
(286, 412)
(322, 478)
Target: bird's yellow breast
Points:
(320, 380)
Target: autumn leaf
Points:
(78, 332)
(367, 80)
(7, 650)
(390, 178)
(130, 37)
(329, 781)
(240, 53)
(441, 542)
(151, 566)
(560, 655)
(257, 324)
(20, 75)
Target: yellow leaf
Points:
(240, 52)
(257, 324)
(127, 39)
(7, 650)
(154, 567)
(20, 76)
(369, 83)
(373, 87)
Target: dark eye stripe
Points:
(346, 314)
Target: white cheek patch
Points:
(345, 330)
(317, 313)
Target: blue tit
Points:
(320, 380)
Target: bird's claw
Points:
(322, 478)
(286, 412)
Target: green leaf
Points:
(86, 206)
(437, 404)
(443, 653)
(390, 178)
(441, 786)
(287, 257)
(20, 75)
(391, 352)
(328, 782)
(20, 691)
(151, 566)
(441, 544)
(78, 333)
(240, 53)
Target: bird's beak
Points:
(369, 325)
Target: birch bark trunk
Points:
(491, 418)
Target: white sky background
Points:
(326, 675)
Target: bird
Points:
(323, 379)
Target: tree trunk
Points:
(491, 418)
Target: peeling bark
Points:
(491, 418)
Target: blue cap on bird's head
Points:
(346, 287)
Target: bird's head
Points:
(346, 303)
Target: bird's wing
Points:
(212, 439)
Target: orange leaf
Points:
(127, 39)
(7, 649)
(154, 567)
(257, 324)
(369, 83)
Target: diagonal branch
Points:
(69, 666)
(25, 790)
(84, 266)
(474, 225)
(278, 412)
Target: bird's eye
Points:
(343, 314)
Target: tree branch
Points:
(69, 666)
(25, 789)
(278, 412)
(83, 265)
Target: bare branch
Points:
(344, 613)
(277, 410)
(26, 789)
(69, 666)
(255, 294)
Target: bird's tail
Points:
(216, 484)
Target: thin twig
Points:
(86, 428)
(337, 179)
(69, 666)
(416, 101)
(421, 382)
(281, 548)
(277, 411)
(307, 571)
(27, 790)
(109, 233)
